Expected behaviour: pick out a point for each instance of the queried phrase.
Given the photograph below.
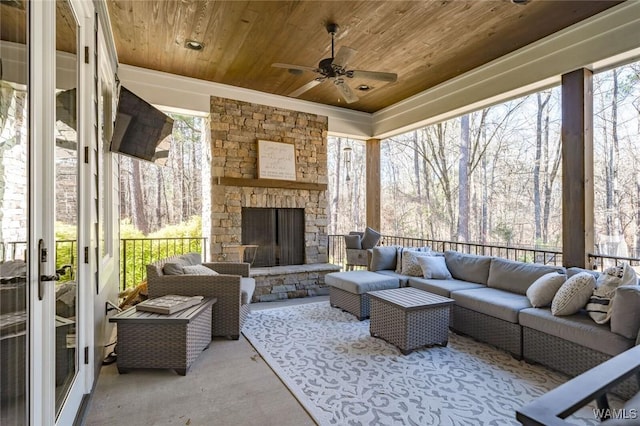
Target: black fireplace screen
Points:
(278, 233)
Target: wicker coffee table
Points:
(150, 340)
(409, 318)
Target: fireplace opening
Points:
(278, 233)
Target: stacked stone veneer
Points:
(236, 127)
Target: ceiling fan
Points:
(334, 69)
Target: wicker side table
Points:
(409, 318)
(150, 340)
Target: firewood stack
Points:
(132, 296)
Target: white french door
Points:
(42, 320)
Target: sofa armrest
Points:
(229, 268)
(554, 406)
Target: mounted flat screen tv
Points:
(141, 130)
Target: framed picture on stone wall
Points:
(276, 160)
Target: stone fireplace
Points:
(236, 127)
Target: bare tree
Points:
(463, 180)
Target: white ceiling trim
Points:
(175, 92)
(613, 33)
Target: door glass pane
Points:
(13, 213)
(66, 198)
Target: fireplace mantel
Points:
(270, 183)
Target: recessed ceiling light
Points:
(194, 45)
(364, 87)
(520, 1)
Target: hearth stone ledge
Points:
(291, 281)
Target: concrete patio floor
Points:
(229, 384)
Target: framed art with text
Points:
(276, 160)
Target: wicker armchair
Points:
(229, 312)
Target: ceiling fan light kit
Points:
(335, 69)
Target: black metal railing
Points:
(13, 250)
(599, 262)
(137, 253)
(337, 250)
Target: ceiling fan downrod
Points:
(332, 29)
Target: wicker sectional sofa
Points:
(232, 287)
(491, 305)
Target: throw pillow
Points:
(402, 250)
(625, 315)
(542, 291)
(173, 268)
(383, 258)
(434, 267)
(353, 241)
(599, 306)
(410, 265)
(573, 295)
(198, 270)
(370, 238)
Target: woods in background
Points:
(151, 196)
(494, 176)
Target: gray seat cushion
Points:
(516, 276)
(359, 282)
(247, 287)
(402, 278)
(501, 304)
(441, 287)
(468, 267)
(577, 328)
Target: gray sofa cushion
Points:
(625, 315)
(468, 267)
(575, 270)
(441, 287)
(192, 258)
(501, 304)
(247, 287)
(383, 258)
(403, 279)
(516, 276)
(359, 282)
(577, 328)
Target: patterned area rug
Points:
(343, 376)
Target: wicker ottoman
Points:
(150, 340)
(348, 290)
(410, 318)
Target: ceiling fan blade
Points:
(344, 55)
(310, 85)
(294, 67)
(373, 75)
(346, 91)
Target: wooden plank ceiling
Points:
(424, 42)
